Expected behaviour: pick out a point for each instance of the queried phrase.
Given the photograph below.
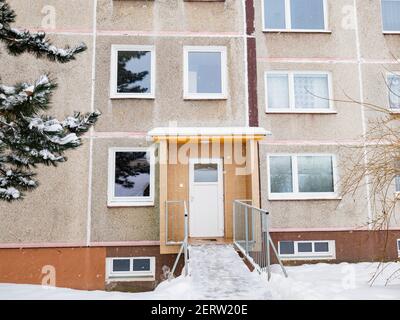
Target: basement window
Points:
(132, 71)
(307, 250)
(393, 84)
(130, 269)
(131, 177)
(398, 247)
(205, 73)
(298, 92)
(301, 176)
(397, 184)
(295, 15)
(390, 16)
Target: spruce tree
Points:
(28, 136)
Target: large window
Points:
(307, 176)
(307, 250)
(292, 15)
(205, 73)
(130, 268)
(390, 16)
(132, 71)
(131, 177)
(298, 91)
(393, 83)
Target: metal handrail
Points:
(256, 249)
(184, 246)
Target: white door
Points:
(206, 207)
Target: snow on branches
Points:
(20, 41)
(29, 137)
(23, 96)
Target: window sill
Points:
(115, 204)
(290, 257)
(148, 97)
(194, 97)
(129, 278)
(296, 31)
(390, 32)
(303, 198)
(394, 111)
(301, 111)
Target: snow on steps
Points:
(217, 272)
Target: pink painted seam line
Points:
(272, 59)
(135, 32)
(125, 243)
(324, 229)
(57, 30)
(165, 33)
(41, 245)
(78, 245)
(311, 142)
(324, 60)
(119, 134)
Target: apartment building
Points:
(203, 103)
(339, 51)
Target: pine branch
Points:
(29, 137)
(21, 41)
(26, 98)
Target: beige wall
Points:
(168, 105)
(338, 43)
(347, 211)
(58, 210)
(345, 124)
(171, 15)
(113, 223)
(337, 52)
(71, 15)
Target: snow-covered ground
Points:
(218, 273)
(337, 281)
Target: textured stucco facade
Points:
(69, 208)
(357, 55)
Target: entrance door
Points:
(206, 214)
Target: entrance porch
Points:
(202, 172)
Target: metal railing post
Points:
(184, 247)
(166, 220)
(246, 223)
(279, 259)
(268, 244)
(185, 242)
(234, 221)
(261, 254)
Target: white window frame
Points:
(387, 31)
(114, 72)
(292, 109)
(296, 195)
(288, 20)
(330, 255)
(224, 73)
(114, 201)
(392, 73)
(398, 247)
(130, 275)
